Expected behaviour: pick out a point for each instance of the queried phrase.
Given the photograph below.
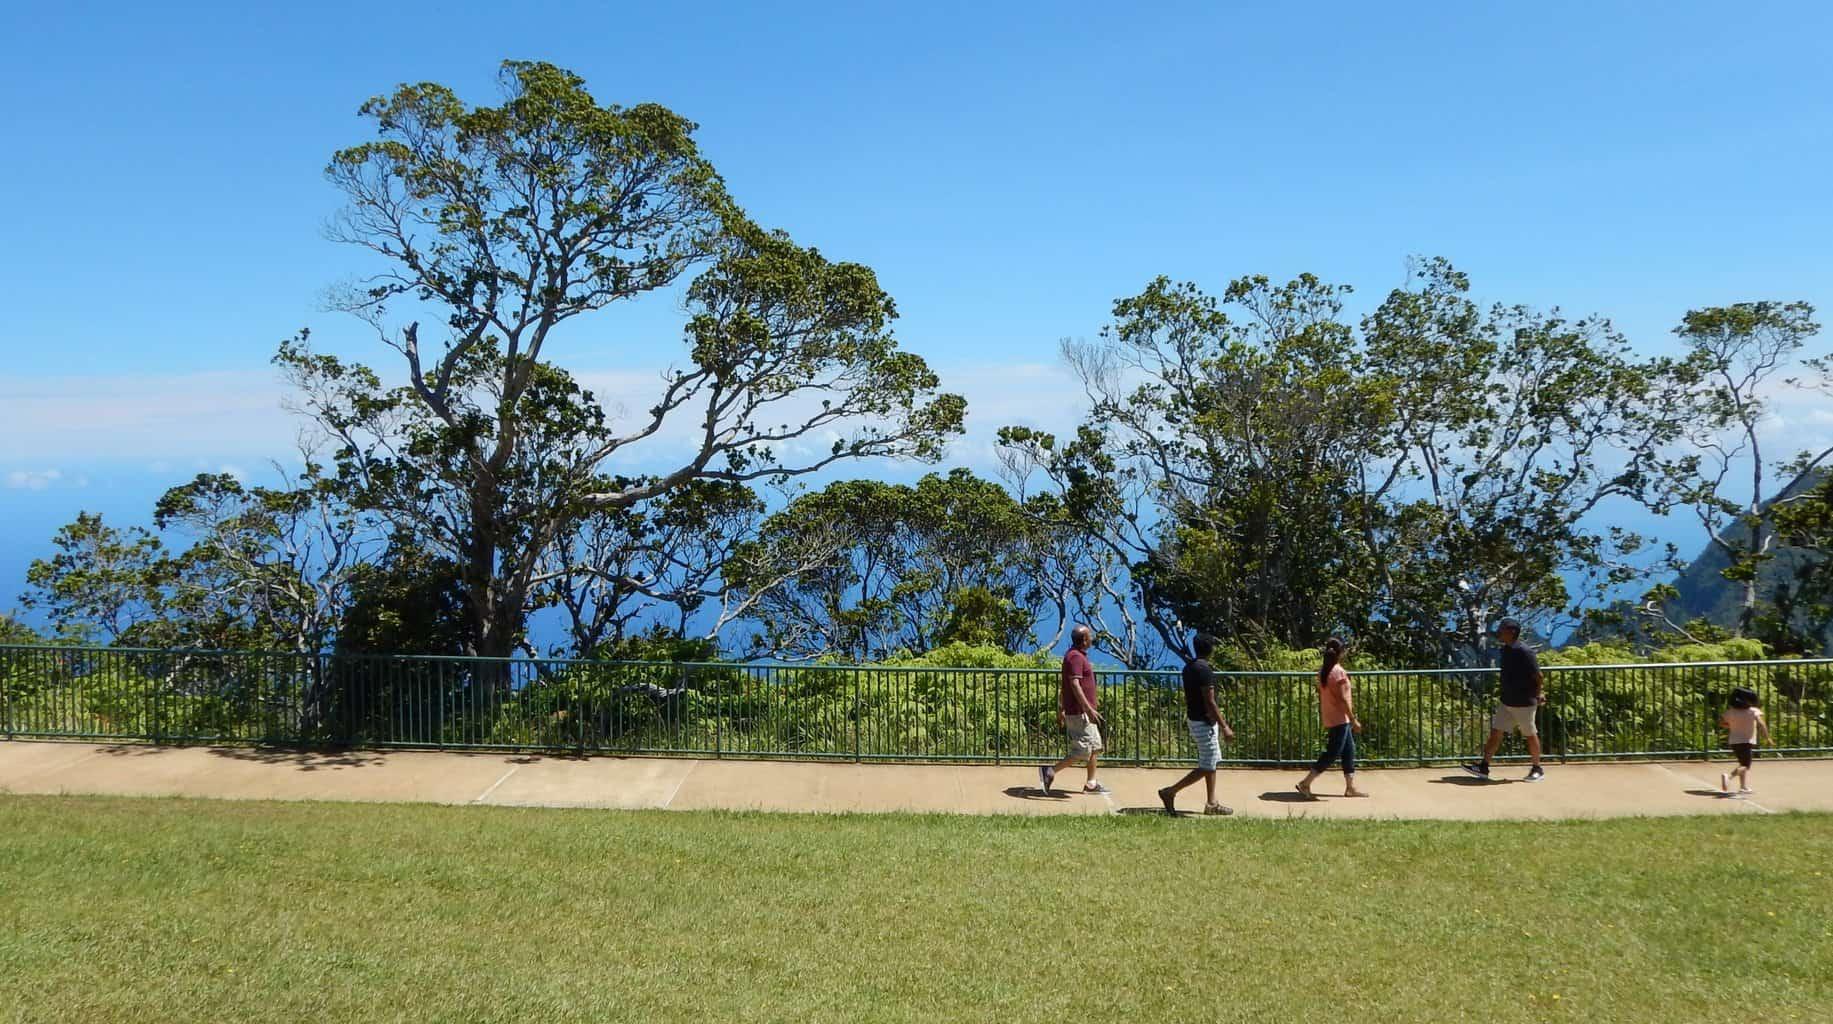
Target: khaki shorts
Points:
(1084, 737)
(1509, 718)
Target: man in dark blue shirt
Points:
(1520, 702)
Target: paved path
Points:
(1575, 791)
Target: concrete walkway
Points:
(1569, 791)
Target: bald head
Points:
(1080, 637)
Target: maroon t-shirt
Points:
(1076, 671)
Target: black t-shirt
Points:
(1519, 667)
(1199, 678)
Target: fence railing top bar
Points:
(71, 649)
(194, 651)
(1771, 663)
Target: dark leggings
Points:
(1339, 742)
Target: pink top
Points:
(1333, 697)
(1742, 722)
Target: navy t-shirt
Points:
(1199, 678)
(1519, 667)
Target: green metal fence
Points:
(858, 712)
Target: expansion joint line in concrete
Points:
(670, 802)
(485, 795)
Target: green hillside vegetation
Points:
(1702, 593)
(957, 701)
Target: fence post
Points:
(999, 718)
(1419, 720)
(6, 693)
(1705, 718)
(856, 712)
(1279, 721)
(1133, 699)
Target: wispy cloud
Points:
(227, 419)
(33, 479)
(218, 415)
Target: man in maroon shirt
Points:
(1076, 712)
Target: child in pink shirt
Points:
(1743, 720)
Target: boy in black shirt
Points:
(1521, 698)
(1207, 729)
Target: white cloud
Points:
(144, 417)
(33, 479)
(222, 420)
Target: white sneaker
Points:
(1095, 787)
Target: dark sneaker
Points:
(1535, 774)
(1478, 768)
(1045, 777)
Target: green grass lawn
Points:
(139, 910)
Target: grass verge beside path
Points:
(143, 910)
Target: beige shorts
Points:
(1084, 736)
(1510, 718)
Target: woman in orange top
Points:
(1340, 723)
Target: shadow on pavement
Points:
(1155, 812)
(130, 750)
(1708, 792)
(1034, 793)
(1469, 780)
(1287, 796)
(303, 760)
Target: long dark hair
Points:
(1333, 653)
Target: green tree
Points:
(1802, 605)
(862, 568)
(276, 562)
(1267, 472)
(1512, 431)
(1727, 474)
(102, 584)
(13, 631)
(509, 223)
(404, 601)
(662, 559)
(249, 567)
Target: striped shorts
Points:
(1208, 738)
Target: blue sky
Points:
(1008, 170)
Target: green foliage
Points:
(405, 602)
(13, 631)
(513, 220)
(1273, 475)
(658, 643)
(1734, 356)
(103, 583)
(860, 569)
(956, 701)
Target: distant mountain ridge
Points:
(1704, 592)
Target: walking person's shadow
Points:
(1034, 793)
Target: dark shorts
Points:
(1746, 752)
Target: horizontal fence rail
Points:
(861, 713)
